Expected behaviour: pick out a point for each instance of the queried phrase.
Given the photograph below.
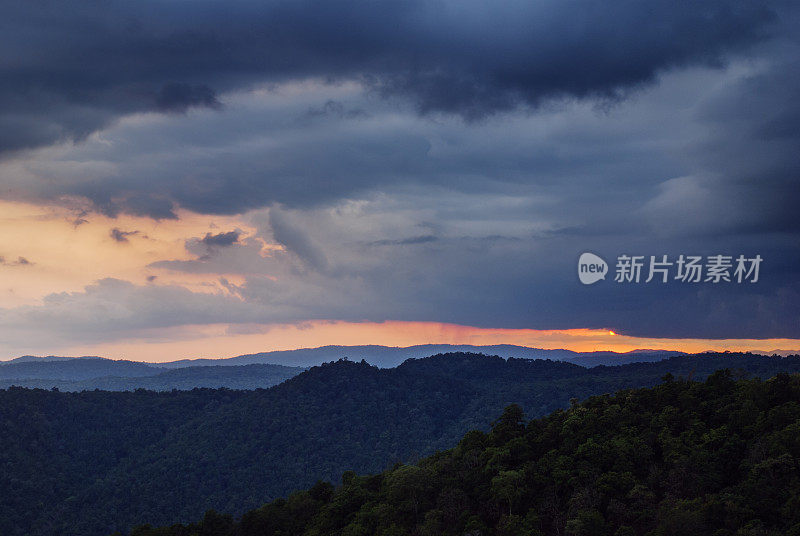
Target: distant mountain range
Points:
(261, 370)
(151, 378)
(74, 369)
(392, 356)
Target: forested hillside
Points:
(156, 379)
(73, 369)
(262, 370)
(93, 462)
(719, 458)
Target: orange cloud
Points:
(68, 250)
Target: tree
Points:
(508, 486)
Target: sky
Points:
(206, 178)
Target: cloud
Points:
(486, 219)
(336, 109)
(470, 58)
(221, 239)
(112, 309)
(421, 239)
(121, 236)
(295, 240)
(176, 97)
(261, 151)
(469, 275)
(21, 261)
(518, 280)
(435, 161)
(220, 254)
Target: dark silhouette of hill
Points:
(90, 367)
(74, 369)
(89, 373)
(89, 463)
(392, 356)
(719, 458)
(235, 377)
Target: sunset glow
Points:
(66, 252)
(222, 341)
(304, 208)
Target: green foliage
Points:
(718, 458)
(91, 463)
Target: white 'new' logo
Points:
(591, 268)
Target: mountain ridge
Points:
(94, 372)
(257, 376)
(99, 461)
(717, 458)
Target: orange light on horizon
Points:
(223, 340)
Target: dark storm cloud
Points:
(121, 236)
(702, 162)
(291, 236)
(336, 109)
(180, 97)
(421, 239)
(221, 239)
(526, 283)
(750, 159)
(68, 69)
